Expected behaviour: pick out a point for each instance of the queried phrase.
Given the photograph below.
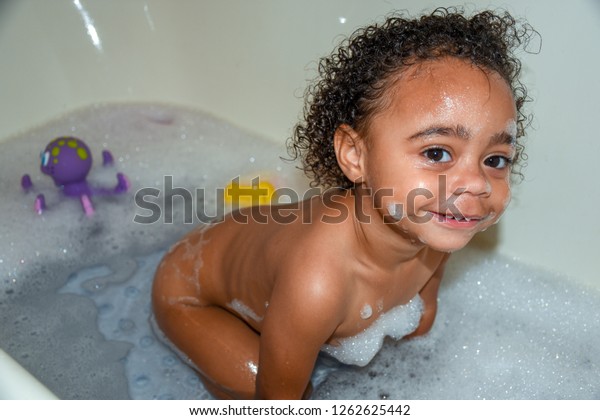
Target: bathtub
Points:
(220, 56)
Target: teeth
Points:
(459, 218)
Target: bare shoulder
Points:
(312, 275)
(316, 263)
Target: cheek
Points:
(427, 187)
(501, 197)
(416, 195)
(507, 198)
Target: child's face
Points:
(443, 147)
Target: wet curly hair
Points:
(351, 83)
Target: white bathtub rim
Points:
(16, 383)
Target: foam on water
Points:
(75, 291)
(504, 330)
(56, 336)
(153, 371)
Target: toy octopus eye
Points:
(45, 158)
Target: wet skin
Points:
(251, 304)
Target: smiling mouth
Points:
(457, 220)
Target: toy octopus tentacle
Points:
(123, 183)
(107, 158)
(86, 203)
(26, 183)
(40, 204)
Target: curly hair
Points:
(351, 83)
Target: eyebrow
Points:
(503, 138)
(461, 132)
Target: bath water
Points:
(75, 291)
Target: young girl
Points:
(416, 123)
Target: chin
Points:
(448, 248)
(447, 244)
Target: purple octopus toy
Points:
(68, 160)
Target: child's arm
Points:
(304, 311)
(429, 294)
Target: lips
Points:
(455, 220)
(460, 218)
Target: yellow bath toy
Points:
(259, 192)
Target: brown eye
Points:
(437, 155)
(497, 162)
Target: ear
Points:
(349, 151)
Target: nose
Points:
(469, 178)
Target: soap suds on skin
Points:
(395, 323)
(396, 210)
(244, 311)
(366, 312)
(184, 300)
(511, 129)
